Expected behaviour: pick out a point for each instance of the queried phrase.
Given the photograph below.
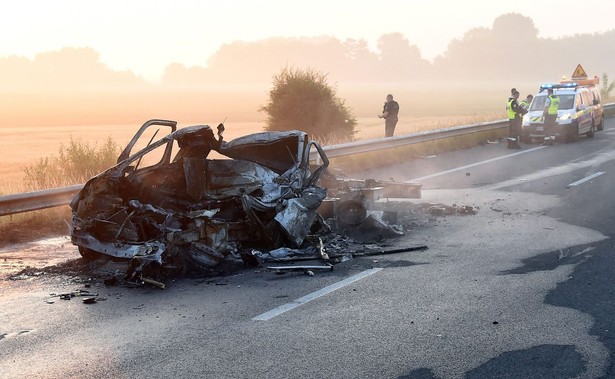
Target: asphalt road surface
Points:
(521, 289)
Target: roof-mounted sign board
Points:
(579, 73)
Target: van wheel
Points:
(88, 254)
(573, 133)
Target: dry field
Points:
(96, 117)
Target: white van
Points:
(576, 115)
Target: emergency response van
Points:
(575, 115)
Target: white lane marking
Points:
(314, 295)
(475, 164)
(586, 179)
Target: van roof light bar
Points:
(558, 86)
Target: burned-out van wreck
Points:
(190, 202)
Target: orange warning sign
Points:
(579, 73)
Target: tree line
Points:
(509, 50)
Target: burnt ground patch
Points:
(539, 362)
(590, 290)
(551, 260)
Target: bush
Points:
(74, 164)
(607, 87)
(302, 100)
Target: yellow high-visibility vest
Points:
(554, 105)
(509, 109)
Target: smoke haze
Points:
(475, 74)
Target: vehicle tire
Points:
(572, 134)
(199, 257)
(88, 254)
(601, 124)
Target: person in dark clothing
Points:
(389, 113)
(514, 120)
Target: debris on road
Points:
(438, 209)
(306, 269)
(152, 282)
(86, 296)
(213, 205)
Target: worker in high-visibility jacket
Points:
(514, 120)
(525, 103)
(549, 115)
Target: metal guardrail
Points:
(409, 139)
(32, 201)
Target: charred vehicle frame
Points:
(195, 212)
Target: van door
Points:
(584, 112)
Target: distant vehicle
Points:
(580, 112)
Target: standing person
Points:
(389, 113)
(514, 121)
(525, 103)
(549, 115)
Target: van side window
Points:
(586, 99)
(538, 104)
(579, 102)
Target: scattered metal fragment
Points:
(394, 251)
(153, 282)
(321, 248)
(19, 277)
(309, 270)
(84, 294)
(112, 281)
(438, 209)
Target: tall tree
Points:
(399, 59)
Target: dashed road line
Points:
(475, 164)
(314, 295)
(586, 179)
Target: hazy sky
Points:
(146, 35)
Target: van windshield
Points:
(565, 102)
